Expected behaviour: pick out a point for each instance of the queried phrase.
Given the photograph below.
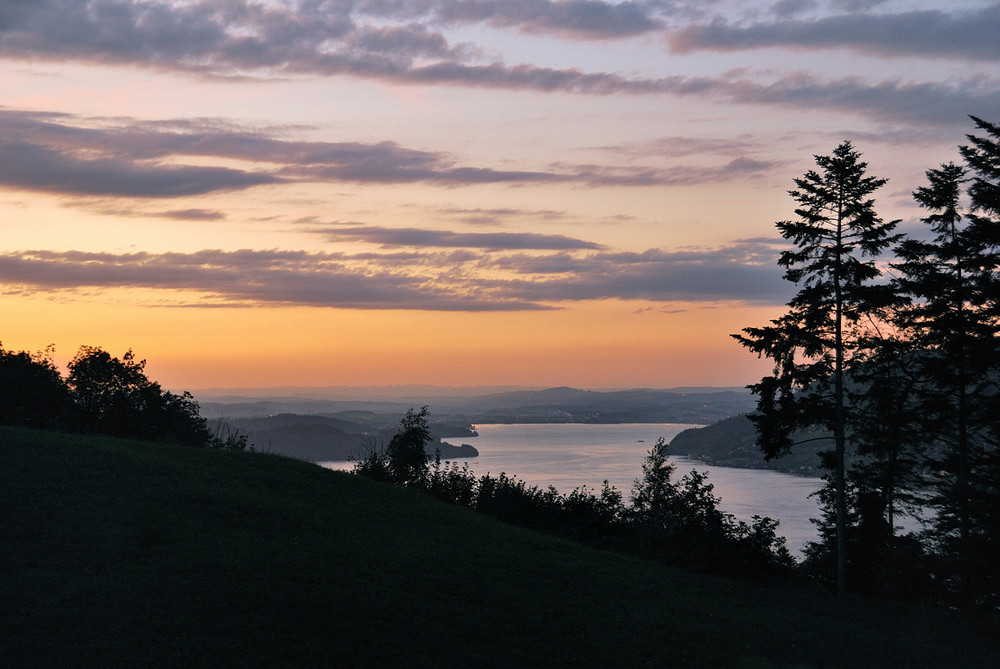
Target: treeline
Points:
(891, 346)
(101, 394)
(676, 522)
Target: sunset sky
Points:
(452, 192)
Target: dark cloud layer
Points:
(971, 35)
(308, 36)
(448, 239)
(77, 156)
(401, 40)
(270, 278)
(890, 100)
(466, 280)
(40, 168)
(583, 19)
(744, 272)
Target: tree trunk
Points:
(839, 480)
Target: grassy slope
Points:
(116, 553)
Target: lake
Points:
(569, 455)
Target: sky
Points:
(448, 192)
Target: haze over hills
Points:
(321, 438)
(487, 405)
(335, 423)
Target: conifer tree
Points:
(951, 316)
(884, 425)
(835, 239)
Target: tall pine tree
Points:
(952, 319)
(836, 239)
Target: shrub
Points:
(676, 522)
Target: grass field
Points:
(117, 553)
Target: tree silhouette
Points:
(115, 397)
(836, 239)
(951, 315)
(32, 392)
(406, 452)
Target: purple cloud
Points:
(399, 41)
(69, 155)
(40, 168)
(448, 239)
(970, 35)
(461, 280)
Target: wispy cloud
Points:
(599, 175)
(462, 280)
(447, 239)
(921, 103)
(497, 216)
(116, 207)
(126, 158)
(676, 147)
(190, 214)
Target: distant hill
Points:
(731, 443)
(618, 406)
(321, 438)
(127, 554)
(552, 405)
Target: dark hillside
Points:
(732, 443)
(326, 438)
(118, 553)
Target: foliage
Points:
(880, 563)
(101, 394)
(884, 427)
(115, 397)
(373, 462)
(406, 452)
(447, 482)
(681, 522)
(676, 522)
(836, 241)
(954, 319)
(908, 372)
(32, 392)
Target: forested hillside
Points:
(732, 442)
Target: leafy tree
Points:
(836, 239)
(32, 393)
(681, 507)
(115, 397)
(177, 418)
(681, 522)
(408, 459)
(112, 394)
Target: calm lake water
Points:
(571, 455)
